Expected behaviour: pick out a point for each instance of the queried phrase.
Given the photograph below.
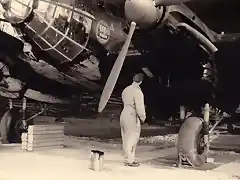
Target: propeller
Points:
(112, 78)
(142, 12)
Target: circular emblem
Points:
(102, 32)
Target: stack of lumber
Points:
(43, 137)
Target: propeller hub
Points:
(143, 12)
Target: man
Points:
(133, 112)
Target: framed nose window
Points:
(60, 30)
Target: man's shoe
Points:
(133, 164)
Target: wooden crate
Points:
(41, 137)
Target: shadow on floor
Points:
(171, 161)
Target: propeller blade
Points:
(112, 79)
(168, 2)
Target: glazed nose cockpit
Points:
(61, 29)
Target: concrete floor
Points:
(72, 161)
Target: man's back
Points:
(133, 100)
(128, 96)
(133, 112)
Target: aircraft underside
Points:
(175, 78)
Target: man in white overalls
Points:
(133, 112)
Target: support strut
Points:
(24, 106)
(206, 127)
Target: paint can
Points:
(96, 160)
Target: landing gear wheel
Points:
(190, 141)
(8, 129)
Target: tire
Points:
(7, 126)
(189, 137)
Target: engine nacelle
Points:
(143, 12)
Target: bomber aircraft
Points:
(54, 50)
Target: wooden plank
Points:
(40, 126)
(23, 140)
(46, 132)
(24, 147)
(45, 136)
(46, 125)
(46, 140)
(44, 148)
(45, 128)
(24, 137)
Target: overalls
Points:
(133, 112)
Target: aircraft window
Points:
(79, 29)
(76, 36)
(43, 44)
(58, 55)
(61, 23)
(61, 19)
(46, 10)
(69, 48)
(37, 25)
(52, 36)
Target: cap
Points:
(138, 77)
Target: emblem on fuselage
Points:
(103, 32)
